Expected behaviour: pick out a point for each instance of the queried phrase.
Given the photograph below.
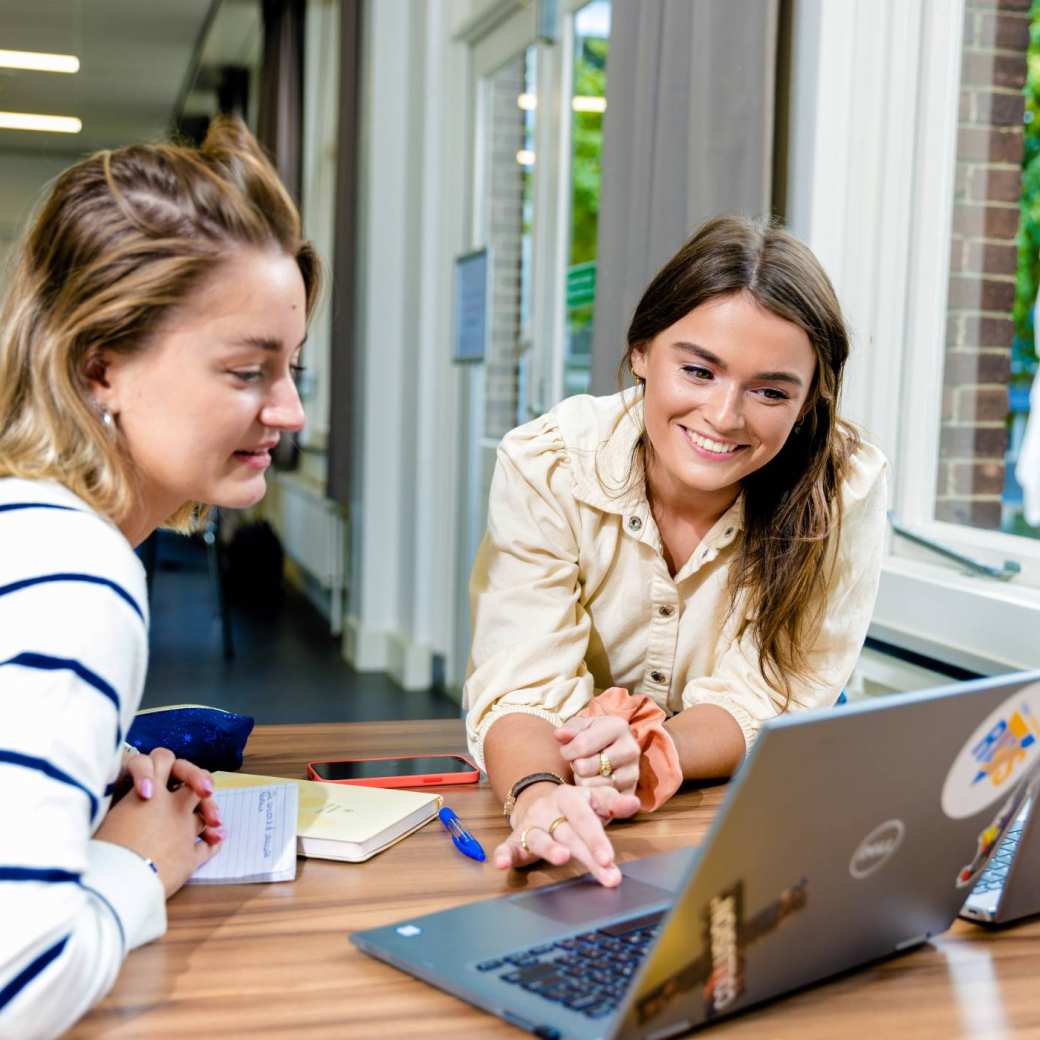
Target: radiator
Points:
(313, 536)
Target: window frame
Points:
(888, 75)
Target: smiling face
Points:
(202, 405)
(724, 387)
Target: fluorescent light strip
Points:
(580, 103)
(45, 124)
(37, 62)
(589, 104)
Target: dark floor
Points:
(286, 668)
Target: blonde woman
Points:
(152, 320)
(708, 542)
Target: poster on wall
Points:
(471, 306)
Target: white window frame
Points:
(874, 139)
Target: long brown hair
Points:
(120, 240)
(792, 518)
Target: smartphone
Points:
(403, 771)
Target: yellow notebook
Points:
(346, 821)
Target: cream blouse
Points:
(570, 592)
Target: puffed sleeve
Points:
(530, 631)
(737, 683)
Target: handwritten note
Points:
(261, 836)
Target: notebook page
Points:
(260, 823)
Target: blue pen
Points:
(460, 837)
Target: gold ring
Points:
(523, 840)
(556, 823)
(605, 768)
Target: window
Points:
(507, 160)
(990, 358)
(588, 103)
(909, 194)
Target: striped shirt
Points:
(73, 654)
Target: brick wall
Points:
(504, 196)
(982, 263)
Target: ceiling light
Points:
(46, 124)
(38, 62)
(589, 104)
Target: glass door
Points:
(504, 139)
(587, 39)
(536, 137)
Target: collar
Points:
(609, 476)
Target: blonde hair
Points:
(121, 240)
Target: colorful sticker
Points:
(877, 848)
(997, 754)
(722, 938)
(719, 970)
(993, 834)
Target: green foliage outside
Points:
(1023, 355)
(1027, 280)
(590, 80)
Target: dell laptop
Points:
(845, 836)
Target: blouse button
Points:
(634, 523)
(666, 611)
(658, 677)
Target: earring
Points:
(798, 426)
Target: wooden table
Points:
(274, 960)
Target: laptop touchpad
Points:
(581, 900)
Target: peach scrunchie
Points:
(659, 771)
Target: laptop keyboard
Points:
(995, 874)
(587, 973)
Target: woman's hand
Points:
(164, 825)
(576, 817)
(586, 741)
(140, 772)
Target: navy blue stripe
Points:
(49, 874)
(24, 977)
(46, 663)
(15, 758)
(91, 579)
(37, 505)
(112, 911)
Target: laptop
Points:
(1008, 888)
(846, 836)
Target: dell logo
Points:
(877, 848)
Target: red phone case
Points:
(412, 780)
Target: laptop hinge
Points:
(915, 941)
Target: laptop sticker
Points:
(719, 970)
(996, 755)
(877, 848)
